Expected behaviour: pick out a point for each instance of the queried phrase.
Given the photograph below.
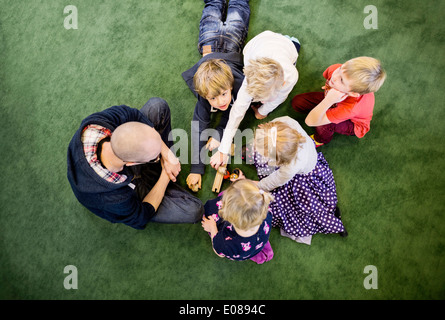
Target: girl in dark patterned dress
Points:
(239, 222)
(300, 180)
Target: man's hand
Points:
(218, 159)
(194, 181)
(170, 163)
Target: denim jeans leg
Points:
(158, 112)
(211, 24)
(179, 206)
(224, 34)
(236, 25)
(214, 8)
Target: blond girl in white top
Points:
(270, 75)
(299, 178)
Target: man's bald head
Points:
(136, 142)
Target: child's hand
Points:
(335, 96)
(240, 176)
(218, 159)
(209, 225)
(194, 181)
(212, 144)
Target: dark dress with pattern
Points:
(305, 205)
(233, 246)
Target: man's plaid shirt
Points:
(91, 136)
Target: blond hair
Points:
(212, 77)
(264, 76)
(365, 74)
(278, 140)
(244, 205)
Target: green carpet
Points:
(390, 184)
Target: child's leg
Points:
(211, 23)
(236, 25)
(264, 255)
(324, 134)
(305, 102)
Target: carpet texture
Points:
(390, 184)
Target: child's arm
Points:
(278, 178)
(209, 225)
(201, 122)
(236, 115)
(317, 116)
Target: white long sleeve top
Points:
(271, 45)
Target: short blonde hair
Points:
(365, 74)
(212, 77)
(264, 76)
(244, 205)
(278, 140)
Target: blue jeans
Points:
(178, 205)
(224, 33)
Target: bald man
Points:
(121, 168)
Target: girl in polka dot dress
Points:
(239, 222)
(299, 179)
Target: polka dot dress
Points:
(306, 204)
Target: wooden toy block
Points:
(221, 172)
(219, 177)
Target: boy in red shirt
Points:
(347, 103)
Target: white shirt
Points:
(270, 45)
(303, 163)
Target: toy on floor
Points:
(222, 174)
(235, 174)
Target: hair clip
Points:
(274, 136)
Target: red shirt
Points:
(358, 110)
